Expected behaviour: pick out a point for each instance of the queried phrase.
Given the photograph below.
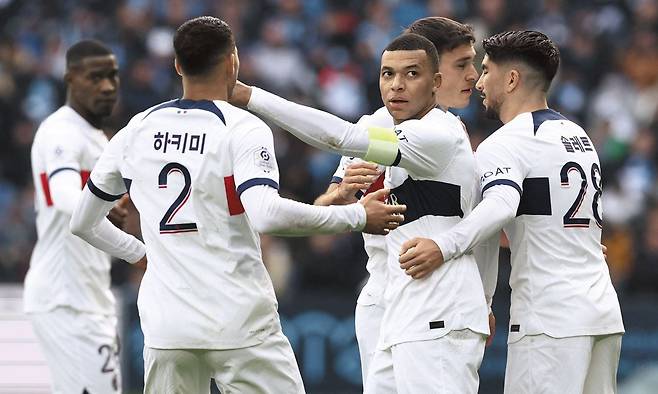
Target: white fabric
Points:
(560, 281)
(81, 350)
(65, 270)
(269, 213)
(436, 181)
(65, 190)
(495, 210)
(317, 128)
(90, 223)
(575, 365)
(444, 365)
(375, 245)
(267, 368)
(204, 259)
(367, 322)
(435, 153)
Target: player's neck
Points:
(204, 90)
(94, 120)
(519, 104)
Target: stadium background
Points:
(326, 53)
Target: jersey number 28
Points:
(570, 219)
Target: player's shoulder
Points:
(379, 118)
(436, 124)
(65, 124)
(239, 120)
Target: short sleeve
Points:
(499, 164)
(63, 149)
(254, 162)
(105, 180)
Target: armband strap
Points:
(382, 146)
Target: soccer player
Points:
(204, 178)
(67, 287)
(541, 183)
(432, 171)
(454, 43)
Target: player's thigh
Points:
(367, 320)
(444, 365)
(175, 371)
(101, 347)
(539, 364)
(381, 378)
(81, 350)
(266, 368)
(602, 374)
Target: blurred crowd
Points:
(326, 53)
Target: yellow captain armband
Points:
(383, 146)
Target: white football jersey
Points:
(434, 177)
(560, 281)
(64, 269)
(375, 245)
(185, 164)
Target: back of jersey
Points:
(205, 285)
(560, 281)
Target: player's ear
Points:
(177, 67)
(512, 81)
(438, 79)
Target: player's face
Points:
(407, 84)
(458, 76)
(491, 85)
(94, 85)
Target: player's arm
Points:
(63, 157)
(345, 189)
(104, 187)
(270, 213)
(256, 174)
(321, 129)
(501, 177)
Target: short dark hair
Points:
(201, 43)
(83, 49)
(445, 33)
(412, 42)
(533, 48)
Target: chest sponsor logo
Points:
(494, 173)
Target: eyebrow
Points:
(465, 58)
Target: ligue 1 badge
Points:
(263, 159)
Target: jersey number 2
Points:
(166, 227)
(570, 219)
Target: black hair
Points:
(533, 48)
(83, 49)
(445, 33)
(411, 42)
(201, 43)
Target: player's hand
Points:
(604, 249)
(240, 95)
(492, 329)
(358, 176)
(141, 264)
(419, 257)
(118, 213)
(381, 217)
